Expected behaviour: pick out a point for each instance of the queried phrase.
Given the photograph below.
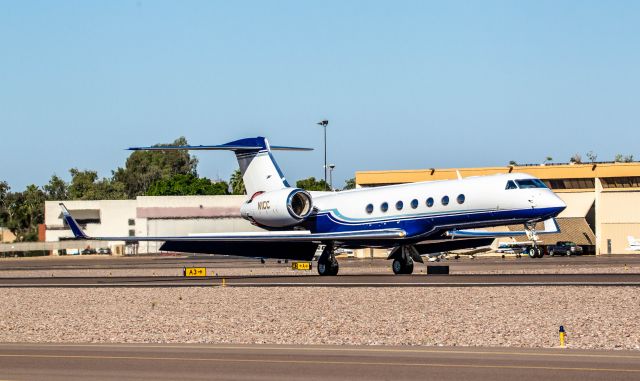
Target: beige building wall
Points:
(619, 217)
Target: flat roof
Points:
(545, 172)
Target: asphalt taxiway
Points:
(364, 280)
(270, 362)
(480, 263)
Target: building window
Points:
(132, 233)
(571, 183)
(414, 203)
(511, 185)
(460, 199)
(445, 200)
(430, 202)
(399, 205)
(370, 208)
(384, 207)
(620, 182)
(132, 222)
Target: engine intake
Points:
(280, 208)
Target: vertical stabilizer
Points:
(259, 169)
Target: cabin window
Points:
(399, 205)
(460, 199)
(370, 208)
(430, 202)
(445, 200)
(414, 203)
(384, 206)
(530, 183)
(511, 185)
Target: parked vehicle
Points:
(104, 250)
(564, 248)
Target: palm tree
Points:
(237, 184)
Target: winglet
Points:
(73, 224)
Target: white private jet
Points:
(413, 219)
(634, 244)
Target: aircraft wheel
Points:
(400, 267)
(328, 267)
(397, 266)
(408, 267)
(535, 252)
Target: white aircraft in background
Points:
(634, 244)
(412, 219)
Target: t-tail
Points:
(259, 169)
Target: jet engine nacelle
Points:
(279, 208)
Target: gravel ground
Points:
(594, 317)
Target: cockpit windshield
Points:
(530, 183)
(511, 185)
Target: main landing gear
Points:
(403, 258)
(327, 263)
(534, 251)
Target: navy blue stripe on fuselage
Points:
(416, 226)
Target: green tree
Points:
(4, 191)
(56, 189)
(86, 186)
(24, 211)
(311, 184)
(143, 168)
(237, 183)
(620, 158)
(187, 185)
(350, 184)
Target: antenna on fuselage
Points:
(459, 175)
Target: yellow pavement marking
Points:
(329, 349)
(317, 362)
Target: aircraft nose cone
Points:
(558, 204)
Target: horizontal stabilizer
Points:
(248, 144)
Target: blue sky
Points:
(404, 84)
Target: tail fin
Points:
(73, 224)
(260, 172)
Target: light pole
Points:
(324, 124)
(331, 167)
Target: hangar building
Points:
(603, 198)
(147, 216)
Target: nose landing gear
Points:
(534, 251)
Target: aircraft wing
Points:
(279, 236)
(550, 227)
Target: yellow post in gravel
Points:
(563, 337)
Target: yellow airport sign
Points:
(301, 265)
(195, 271)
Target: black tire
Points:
(551, 253)
(401, 267)
(532, 253)
(397, 266)
(334, 268)
(328, 268)
(408, 267)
